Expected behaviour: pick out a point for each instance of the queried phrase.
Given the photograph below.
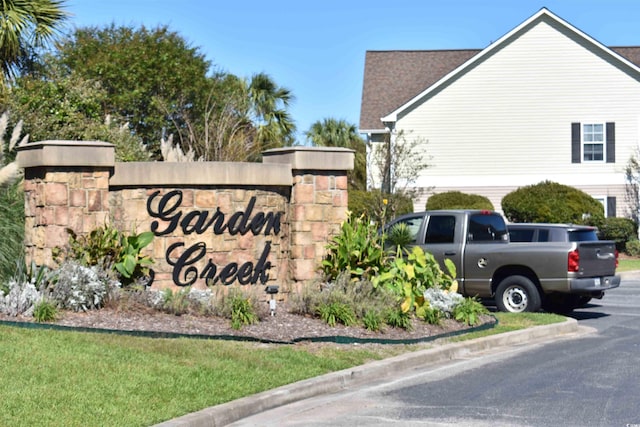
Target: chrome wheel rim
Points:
(515, 299)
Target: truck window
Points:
(543, 236)
(583, 235)
(487, 228)
(413, 223)
(521, 235)
(441, 229)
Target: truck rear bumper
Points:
(593, 284)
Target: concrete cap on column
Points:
(66, 153)
(314, 158)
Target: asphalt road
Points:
(588, 380)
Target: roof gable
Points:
(395, 81)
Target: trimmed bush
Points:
(458, 200)
(620, 230)
(552, 202)
(371, 205)
(633, 248)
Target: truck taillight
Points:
(573, 263)
(616, 258)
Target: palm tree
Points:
(268, 104)
(26, 25)
(339, 133)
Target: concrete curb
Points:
(230, 412)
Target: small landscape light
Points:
(272, 290)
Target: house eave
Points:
(393, 116)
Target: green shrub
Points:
(239, 307)
(336, 312)
(620, 230)
(633, 248)
(373, 320)
(433, 316)
(111, 249)
(357, 250)
(371, 205)
(397, 318)
(399, 236)
(552, 202)
(458, 200)
(409, 277)
(45, 311)
(469, 310)
(364, 300)
(176, 303)
(100, 247)
(130, 262)
(242, 312)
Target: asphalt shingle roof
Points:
(393, 77)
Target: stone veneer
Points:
(78, 185)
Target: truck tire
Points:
(516, 294)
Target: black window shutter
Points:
(575, 143)
(611, 207)
(611, 142)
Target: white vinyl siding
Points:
(511, 114)
(506, 121)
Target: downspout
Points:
(390, 128)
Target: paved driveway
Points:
(590, 380)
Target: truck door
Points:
(440, 240)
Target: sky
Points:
(316, 49)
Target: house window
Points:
(609, 204)
(593, 142)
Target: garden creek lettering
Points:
(185, 273)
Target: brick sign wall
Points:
(216, 223)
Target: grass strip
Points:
(628, 265)
(59, 378)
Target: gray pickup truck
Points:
(517, 276)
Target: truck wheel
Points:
(516, 294)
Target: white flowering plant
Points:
(81, 288)
(442, 299)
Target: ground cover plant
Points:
(53, 378)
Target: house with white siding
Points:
(543, 102)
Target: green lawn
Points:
(59, 378)
(628, 264)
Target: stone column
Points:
(318, 201)
(66, 186)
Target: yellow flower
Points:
(385, 201)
